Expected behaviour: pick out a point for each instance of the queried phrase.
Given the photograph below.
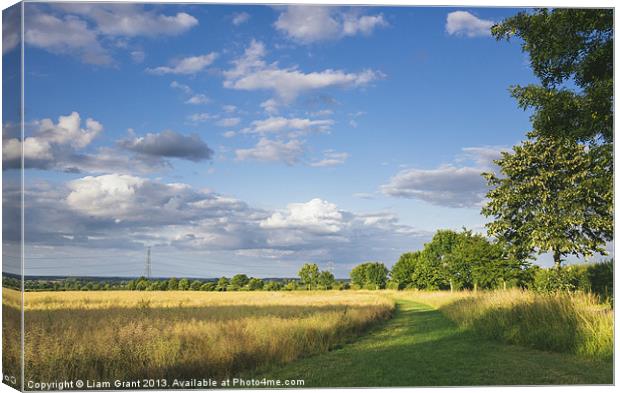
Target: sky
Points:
(252, 139)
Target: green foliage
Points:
(369, 275)
(273, 286)
(173, 284)
(458, 260)
(195, 286)
(184, 284)
(326, 280)
(553, 197)
(239, 281)
(309, 275)
(255, 284)
(596, 278)
(222, 284)
(567, 46)
(401, 275)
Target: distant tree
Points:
(195, 286)
(272, 286)
(222, 284)
(173, 284)
(208, 286)
(551, 197)
(239, 281)
(291, 285)
(184, 284)
(326, 280)
(571, 51)
(255, 284)
(309, 275)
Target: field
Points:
(128, 335)
(327, 338)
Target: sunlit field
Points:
(125, 335)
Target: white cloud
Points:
(137, 56)
(462, 23)
(200, 117)
(230, 108)
(250, 72)
(279, 124)
(198, 99)
(228, 122)
(229, 134)
(309, 24)
(50, 141)
(316, 215)
(240, 18)
(270, 106)
(82, 30)
(186, 66)
(11, 26)
(331, 158)
(67, 35)
(272, 151)
(184, 88)
(132, 20)
(447, 185)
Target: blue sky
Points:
(252, 138)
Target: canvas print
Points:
(201, 196)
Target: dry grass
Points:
(576, 323)
(126, 335)
(11, 339)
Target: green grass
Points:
(421, 347)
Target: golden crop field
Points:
(125, 335)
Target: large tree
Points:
(552, 196)
(571, 52)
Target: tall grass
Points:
(575, 323)
(127, 335)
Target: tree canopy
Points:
(571, 51)
(553, 197)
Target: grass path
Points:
(420, 347)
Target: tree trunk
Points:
(451, 286)
(557, 258)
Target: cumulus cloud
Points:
(169, 144)
(447, 185)
(240, 18)
(316, 215)
(50, 141)
(185, 66)
(309, 24)
(127, 212)
(82, 30)
(269, 150)
(331, 158)
(251, 72)
(463, 23)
